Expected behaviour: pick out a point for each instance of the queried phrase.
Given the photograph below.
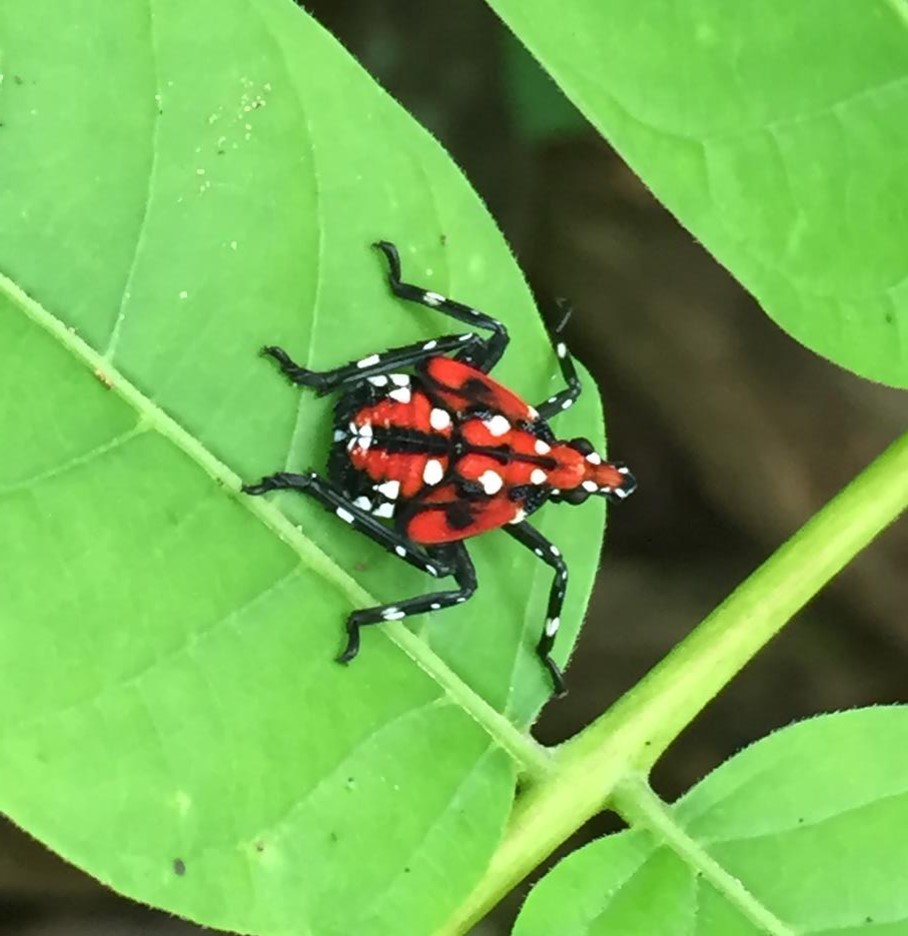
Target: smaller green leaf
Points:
(802, 832)
(776, 133)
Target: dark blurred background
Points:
(736, 433)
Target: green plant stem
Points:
(631, 736)
(634, 800)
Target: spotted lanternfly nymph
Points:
(445, 452)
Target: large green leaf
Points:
(775, 131)
(804, 832)
(181, 183)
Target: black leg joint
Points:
(566, 310)
(298, 375)
(393, 258)
(559, 689)
(352, 647)
(281, 481)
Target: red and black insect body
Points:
(425, 439)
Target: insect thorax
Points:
(394, 441)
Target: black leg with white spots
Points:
(374, 366)
(551, 556)
(564, 399)
(448, 559)
(484, 357)
(451, 556)
(359, 517)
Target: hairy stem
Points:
(635, 801)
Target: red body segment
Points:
(407, 413)
(409, 410)
(432, 522)
(461, 454)
(461, 386)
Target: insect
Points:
(429, 450)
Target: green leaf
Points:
(802, 832)
(775, 132)
(179, 185)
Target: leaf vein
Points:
(113, 341)
(76, 461)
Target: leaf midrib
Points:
(531, 756)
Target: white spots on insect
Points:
(620, 492)
(385, 510)
(538, 476)
(497, 425)
(184, 294)
(539, 552)
(590, 486)
(363, 436)
(368, 361)
(435, 606)
(461, 599)
(439, 419)
(519, 517)
(623, 469)
(551, 399)
(432, 570)
(430, 345)
(401, 551)
(556, 491)
(400, 380)
(551, 626)
(433, 472)
(340, 435)
(533, 413)
(433, 298)
(561, 349)
(467, 337)
(392, 614)
(568, 403)
(594, 458)
(345, 515)
(401, 394)
(389, 488)
(491, 481)
(554, 550)
(363, 503)
(379, 380)
(542, 448)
